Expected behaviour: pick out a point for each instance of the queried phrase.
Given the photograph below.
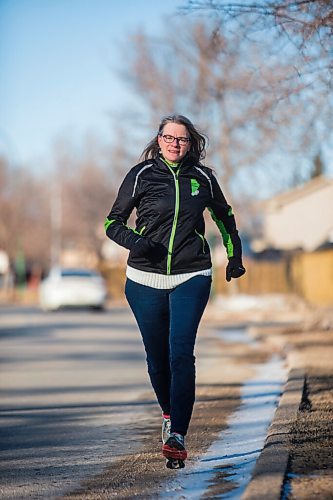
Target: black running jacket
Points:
(169, 206)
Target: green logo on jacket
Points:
(194, 187)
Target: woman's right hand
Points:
(144, 247)
(141, 247)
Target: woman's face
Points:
(176, 150)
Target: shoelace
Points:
(178, 437)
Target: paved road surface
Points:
(72, 385)
(76, 402)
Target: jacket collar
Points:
(184, 165)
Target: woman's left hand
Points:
(235, 268)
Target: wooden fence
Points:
(310, 275)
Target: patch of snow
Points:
(234, 454)
(238, 335)
(244, 302)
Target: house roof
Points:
(316, 184)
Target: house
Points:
(301, 218)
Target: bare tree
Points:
(240, 93)
(43, 214)
(302, 18)
(302, 28)
(87, 182)
(24, 225)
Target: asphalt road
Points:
(72, 385)
(78, 416)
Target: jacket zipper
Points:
(175, 220)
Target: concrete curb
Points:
(270, 470)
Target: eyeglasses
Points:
(181, 140)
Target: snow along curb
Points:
(269, 472)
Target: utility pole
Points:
(56, 221)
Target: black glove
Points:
(235, 268)
(144, 247)
(141, 247)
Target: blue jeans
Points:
(168, 321)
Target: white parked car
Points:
(69, 287)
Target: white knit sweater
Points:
(162, 281)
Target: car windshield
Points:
(81, 273)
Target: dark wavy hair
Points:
(198, 140)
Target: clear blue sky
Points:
(60, 63)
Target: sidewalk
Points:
(297, 460)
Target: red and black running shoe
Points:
(174, 448)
